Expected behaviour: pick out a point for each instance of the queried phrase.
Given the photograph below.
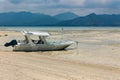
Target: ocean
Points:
(40, 28)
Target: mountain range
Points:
(26, 19)
(93, 20)
(66, 16)
(62, 19)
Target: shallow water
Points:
(59, 28)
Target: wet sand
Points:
(97, 57)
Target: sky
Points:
(53, 7)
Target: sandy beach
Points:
(97, 57)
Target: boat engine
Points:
(11, 43)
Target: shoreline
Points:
(60, 28)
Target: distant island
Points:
(63, 19)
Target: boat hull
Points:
(42, 47)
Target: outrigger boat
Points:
(37, 45)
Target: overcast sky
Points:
(52, 7)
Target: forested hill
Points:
(93, 20)
(71, 19)
(26, 19)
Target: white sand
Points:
(96, 58)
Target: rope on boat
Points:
(76, 45)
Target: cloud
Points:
(2, 0)
(16, 1)
(32, 1)
(57, 6)
(72, 2)
(102, 4)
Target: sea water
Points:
(40, 28)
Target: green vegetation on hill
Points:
(64, 19)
